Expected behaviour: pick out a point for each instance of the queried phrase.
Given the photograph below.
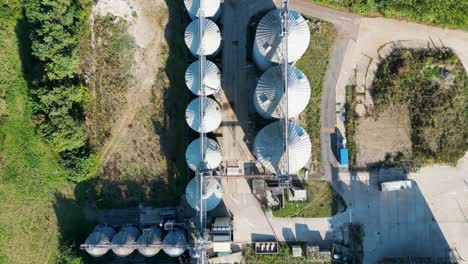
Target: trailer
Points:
(395, 185)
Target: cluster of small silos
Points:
(203, 79)
(129, 239)
(269, 96)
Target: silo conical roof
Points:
(211, 38)
(210, 8)
(268, 39)
(101, 235)
(268, 147)
(177, 239)
(268, 95)
(211, 118)
(212, 155)
(127, 235)
(212, 193)
(211, 78)
(150, 236)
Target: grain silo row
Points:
(269, 97)
(203, 46)
(148, 242)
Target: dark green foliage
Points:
(56, 28)
(59, 96)
(434, 86)
(448, 13)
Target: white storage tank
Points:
(268, 95)
(269, 150)
(101, 236)
(267, 48)
(150, 236)
(210, 42)
(211, 118)
(126, 236)
(212, 155)
(210, 8)
(211, 194)
(211, 78)
(176, 239)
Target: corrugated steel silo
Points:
(268, 95)
(150, 236)
(268, 147)
(212, 155)
(211, 8)
(101, 235)
(211, 78)
(267, 49)
(126, 236)
(211, 118)
(175, 238)
(212, 193)
(211, 38)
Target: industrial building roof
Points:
(211, 195)
(211, 78)
(211, 38)
(210, 8)
(268, 39)
(269, 149)
(269, 96)
(211, 118)
(212, 155)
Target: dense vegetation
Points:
(351, 123)
(448, 13)
(59, 96)
(434, 86)
(314, 64)
(39, 215)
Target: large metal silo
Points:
(101, 236)
(267, 49)
(212, 155)
(175, 238)
(126, 236)
(210, 8)
(211, 118)
(268, 95)
(210, 42)
(211, 78)
(211, 194)
(269, 150)
(150, 236)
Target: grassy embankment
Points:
(445, 13)
(38, 211)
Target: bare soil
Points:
(131, 155)
(390, 133)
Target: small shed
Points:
(297, 251)
(297, 195)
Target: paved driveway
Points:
(428, 220)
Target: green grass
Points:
(322, 201)
(314, 64)
(445, 13)
(32, 226)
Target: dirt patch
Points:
(123, 110)
(390, 133)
